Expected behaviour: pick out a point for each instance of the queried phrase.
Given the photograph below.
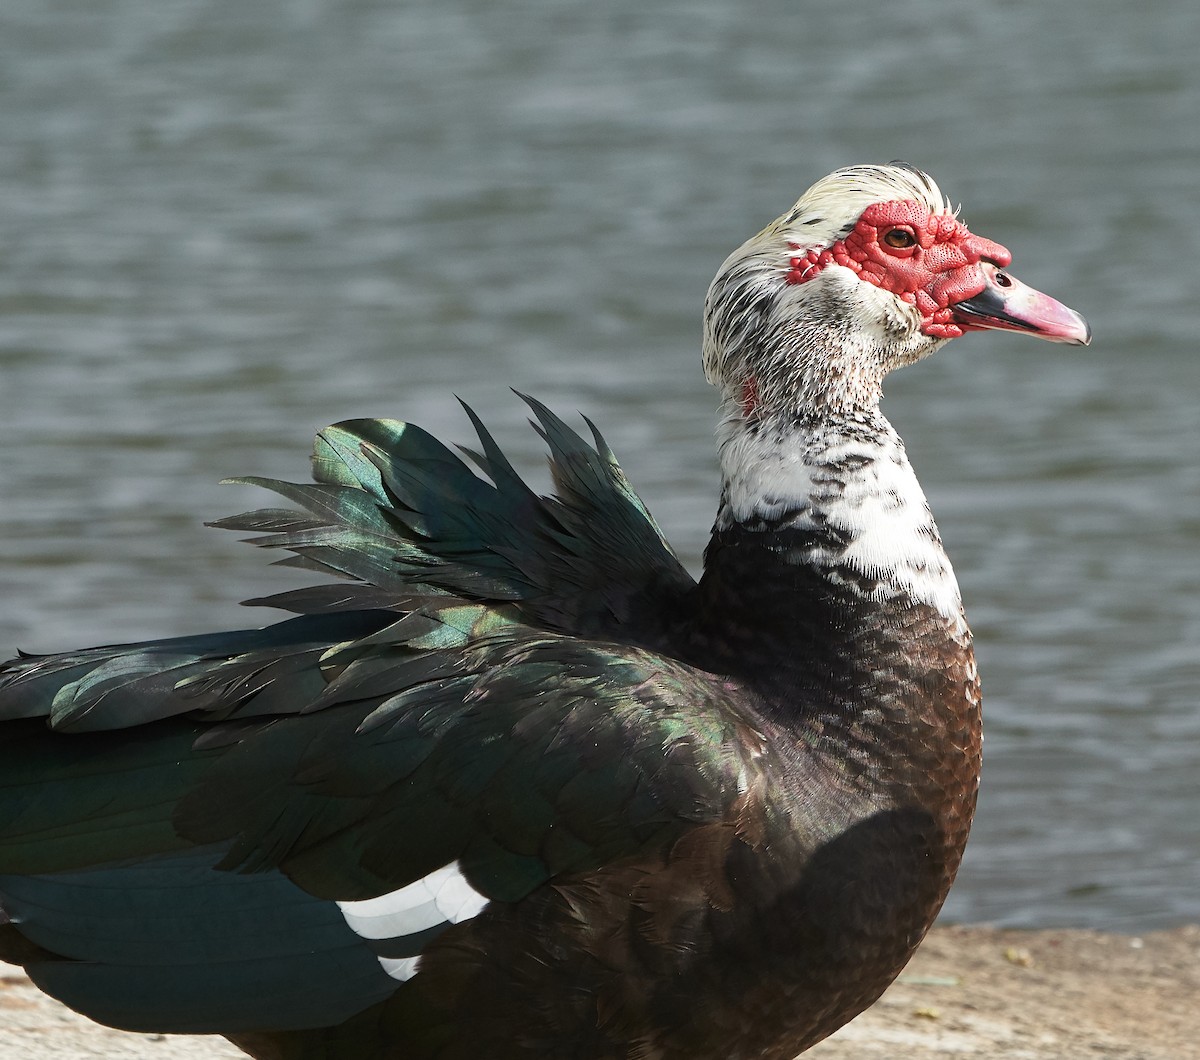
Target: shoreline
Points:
(1009, 994)
(973, 991)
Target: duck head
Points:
(869, 271)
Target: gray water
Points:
(224, 225)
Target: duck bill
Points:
(1006, 304)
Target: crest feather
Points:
(838, 200)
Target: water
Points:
(224, 225)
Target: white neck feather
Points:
(851, 476)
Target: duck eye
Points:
(900, 238)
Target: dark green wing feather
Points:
(491, 736)
(522, 756)
(394, 509)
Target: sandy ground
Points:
(972, 992)
(1045, 995)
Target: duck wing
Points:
(289, 830)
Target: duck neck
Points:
(825, 573)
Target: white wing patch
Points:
(443, 897)
(402, 968)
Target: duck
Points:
(513, 783)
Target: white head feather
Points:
(830, 341)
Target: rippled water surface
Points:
(223, 225)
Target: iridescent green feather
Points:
(395, 509)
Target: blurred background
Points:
(224, 225)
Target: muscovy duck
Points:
(518, 786)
